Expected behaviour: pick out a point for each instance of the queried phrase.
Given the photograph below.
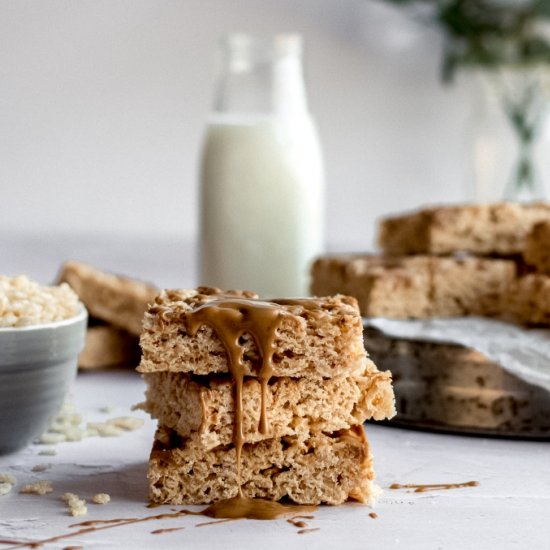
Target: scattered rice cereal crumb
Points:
(104, 429)
(5, 488)
(38, 488)
(101, 498)
(24, 302)
(50, 438)
(48, 452)
(7, 478)
(90, 432)
(107, 410)
(74, 433)
(41, 467)
(127, 423)
(77, 505)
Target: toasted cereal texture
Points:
(326, 342)
(295, 406)
(24, 303)
(114, 299)
(418, 286)
(529, 300)
(324, 469)
(537, 250)
(499, 228)
(108, 346)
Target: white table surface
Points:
(509, 509)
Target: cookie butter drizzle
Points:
(231, 319)
(423, 488)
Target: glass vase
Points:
(521, 94)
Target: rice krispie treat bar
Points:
(529, 300)
(205, 407)
(325, 468)
(316, 338)
(114, 299)
(259, 399)
(454, 386)
(500, 229)
(537, 250)
(416, 287)
(108, 346)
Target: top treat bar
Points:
(317, 337)
(500, 228)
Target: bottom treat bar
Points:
(323, 469)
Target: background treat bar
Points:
(108, 346)
(117, 300)
(116, 306)
(417, 286)
(529, 300)
(537, 250)
(451, 386)
(499, 229)
(321, 387)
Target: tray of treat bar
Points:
(452, 388)
(454, 261)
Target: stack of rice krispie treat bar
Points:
(259, 399)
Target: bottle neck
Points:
(260, 76)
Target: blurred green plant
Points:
(509, 41)
(489, 33)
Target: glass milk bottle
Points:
(262, 175)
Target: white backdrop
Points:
(103, 102)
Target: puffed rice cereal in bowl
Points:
(42, 332)
(24, 302)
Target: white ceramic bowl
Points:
(38, 363)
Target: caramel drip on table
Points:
(216, 522)
(423, 488)
(297, 523)
(231, 318)
(98, 525)
(166, 530)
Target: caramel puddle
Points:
(240, 507)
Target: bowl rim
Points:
(82, 315)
